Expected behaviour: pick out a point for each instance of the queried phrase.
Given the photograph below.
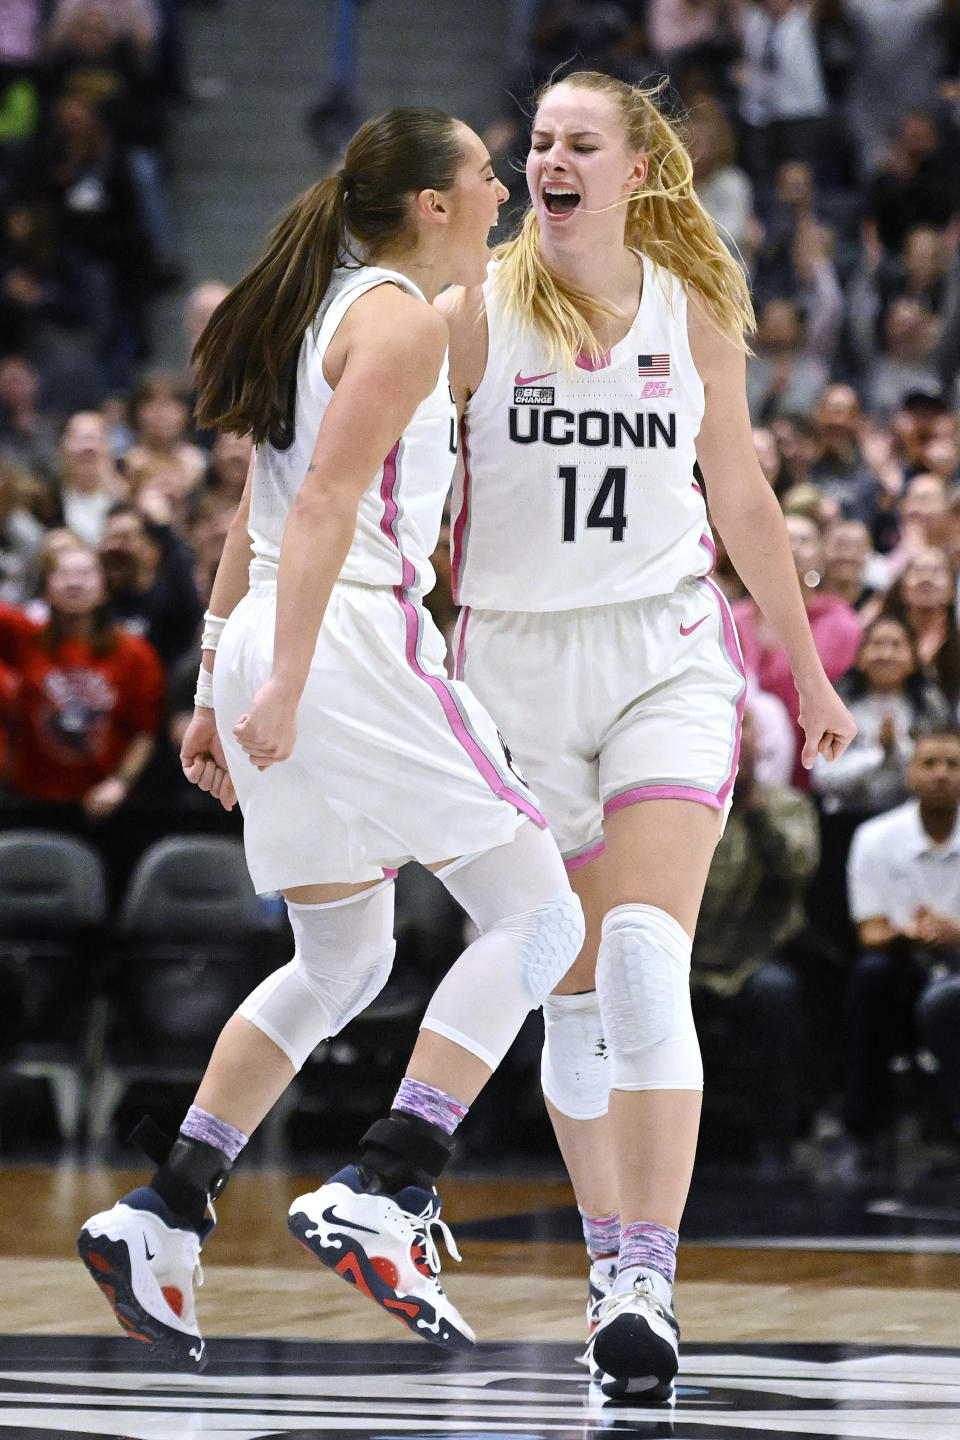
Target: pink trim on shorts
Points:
(440, 688)
(661, 792)
(461, 657)
(389, 874)
(587, 362)
(575, 862)
(731, 646)
(706, 541)
(463, 515)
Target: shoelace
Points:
(424, 1232)
(619, 1300)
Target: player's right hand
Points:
(203, 761)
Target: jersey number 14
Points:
(606, 510)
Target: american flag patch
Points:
(653, 364)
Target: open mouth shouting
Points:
(560, 200)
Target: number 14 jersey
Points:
(575, 487)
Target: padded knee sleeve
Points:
(643, 981)
(521, 954)
(575, 1065)
(344, 952)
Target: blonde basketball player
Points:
(603, 356)
(349, 749)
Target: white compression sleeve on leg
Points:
(531, 928)
(344, 951)
(643, 981)
(575, 1065)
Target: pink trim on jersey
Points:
(389, 874)
(575, 862)
(440, 688)
(731, 647)
(461, 658)
(587, 362)
(661, 792)
(706, 540)
(460, 524)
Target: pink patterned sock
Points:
(417, 1098)
(602, 1234)
(201, 1125)
(645, 1246)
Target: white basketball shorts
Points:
(614, 704)
(393, 760)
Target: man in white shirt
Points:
(904, 890)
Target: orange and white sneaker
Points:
(384, 1245)
(146, 1266)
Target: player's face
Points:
(580, 170)
(475, 201)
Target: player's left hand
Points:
(203, 761)
(268, 732)
(827, 725)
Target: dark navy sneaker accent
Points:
(384, 1245)
(146, 1261)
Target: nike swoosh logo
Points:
(332, 1218)
(689, 629)
(147, 1248)
(519, 379)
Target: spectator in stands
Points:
(783, 375)
(89, 701)
(89, 482)
(51, 304)
(915, 183)
(200, 304)
(847, 555)
(771, 460)
(783, 96)
(924, 600)
(21, 534)
(27, 433)
(795, 259)
(725, 191)
(892, 702)
(752, 907)
(161, 459)
(835, 626)
(852, 464)
(794, 434)
(149, 574)
(911, 336)
(904, 882)
(895, 70)
(226, 473)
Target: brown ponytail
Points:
(245, 358)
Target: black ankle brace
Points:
(405, 1150)
(191, 1173)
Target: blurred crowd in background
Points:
(825, 137)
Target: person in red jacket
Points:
(89, 698)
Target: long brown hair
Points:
(246, 356)
(664, 219)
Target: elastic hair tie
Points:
(345, 180)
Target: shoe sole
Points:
(634, 1361)
(108, 1262)
(341, 1254)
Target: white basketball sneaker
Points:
(599, 1284)
(146, 1266)
(634, 1350)
(384, 1245)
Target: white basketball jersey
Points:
(399, 517)
(575, 487)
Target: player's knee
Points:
(553, 935)
(643, 981)
(575, 1065)
(343, 957)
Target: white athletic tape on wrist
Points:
(203, 696)
(212, 630)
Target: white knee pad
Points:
(531, 928)
(643, 981)
(344, 951)
(575, 1065)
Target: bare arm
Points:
(466, 318)
(746, 513)
(390, 346)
